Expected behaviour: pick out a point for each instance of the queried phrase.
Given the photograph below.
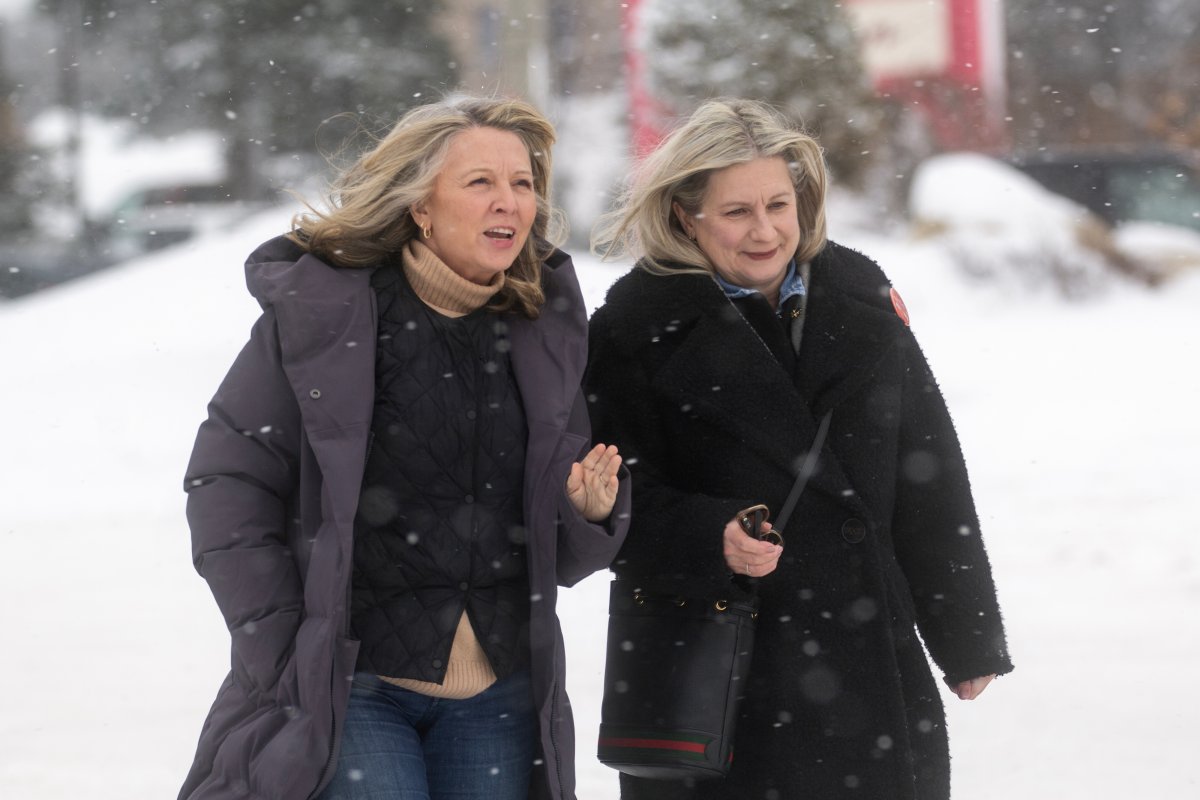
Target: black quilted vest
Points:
(439, 521)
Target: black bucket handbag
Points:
(673, 677)
(676, 667)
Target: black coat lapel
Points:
(724, 373)
(718, 368)
(845, 339)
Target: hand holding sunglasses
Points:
(751, 520)
(752, 547)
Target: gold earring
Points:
(426, 231)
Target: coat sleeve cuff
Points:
(585, 547)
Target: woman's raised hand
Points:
(592, 483)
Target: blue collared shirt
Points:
(793, 284)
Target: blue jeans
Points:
(400, 745)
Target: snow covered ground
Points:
(1079, 422)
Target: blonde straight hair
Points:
(720, 133)
(367, 222)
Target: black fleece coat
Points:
(885, 539)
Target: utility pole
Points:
(69, 51)
(526, 60)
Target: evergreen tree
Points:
(1098, 72)
(800, 55)
(265, 73)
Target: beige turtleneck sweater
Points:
(468, 671)
(440, 287)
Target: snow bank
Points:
(1004, 228)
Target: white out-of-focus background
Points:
(1038, 211)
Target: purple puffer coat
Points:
(273, 488)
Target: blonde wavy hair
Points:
(720, 133)
(366, 222)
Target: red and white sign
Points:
(903, 38)
(943, 57)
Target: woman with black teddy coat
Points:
(711, 365)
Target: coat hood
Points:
(280, 268)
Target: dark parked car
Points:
(1122, 185)
(161, 216)
(29, 264)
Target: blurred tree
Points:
(1167, 83)
(265, 73)
(1100, 72)
(14, 160)
(800, 55)
(586, 50)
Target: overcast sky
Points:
(11, 8)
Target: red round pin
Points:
(898, 304)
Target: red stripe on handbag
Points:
(655, 744)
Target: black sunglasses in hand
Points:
(751, 520)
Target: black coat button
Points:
(853, 530)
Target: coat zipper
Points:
(562, 789)
(331, 762)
